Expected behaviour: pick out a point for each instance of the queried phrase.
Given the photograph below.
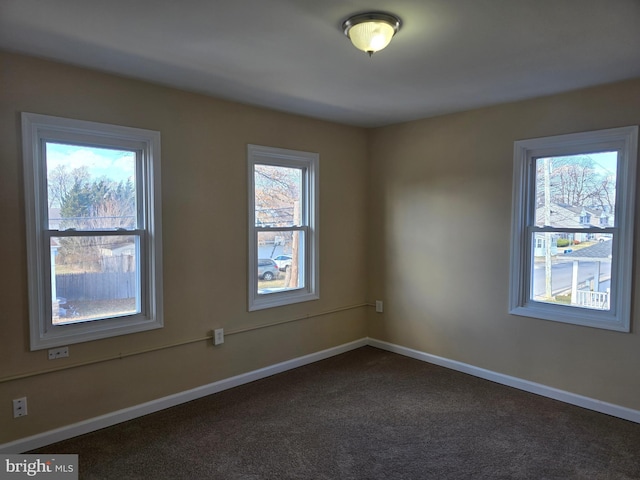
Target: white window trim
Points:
(624, 140)
(36, 129)
(309, 162)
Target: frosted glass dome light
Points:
(371, 32)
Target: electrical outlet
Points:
(58, 353)
(218, 336)
(19, 407)
(379, 308)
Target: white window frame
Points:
(309, 163)
(625, 141)
(37, 130)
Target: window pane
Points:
(572, 269)
(277, 196)
(280, 261)
(90, 188)
(94, 278)
(576, 191)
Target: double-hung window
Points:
(283, 226)
(572, 227)
(92, 197)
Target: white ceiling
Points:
(291, 55)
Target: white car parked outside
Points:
(283, 262)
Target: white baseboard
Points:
(93, 424)
(532, 387)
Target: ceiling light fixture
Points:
(371, 32)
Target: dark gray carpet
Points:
(366, 414)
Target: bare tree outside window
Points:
(578, 180)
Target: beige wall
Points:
(204, 203)
(440, 214)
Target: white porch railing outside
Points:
(589, 299)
